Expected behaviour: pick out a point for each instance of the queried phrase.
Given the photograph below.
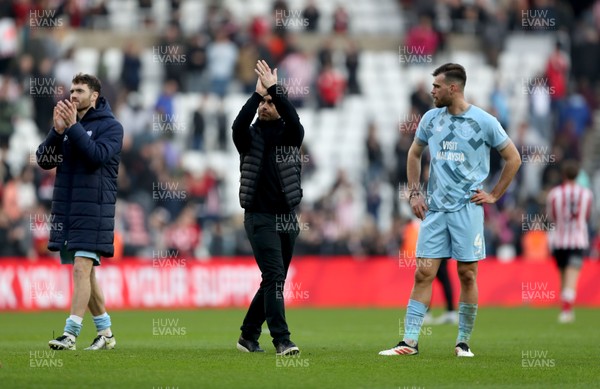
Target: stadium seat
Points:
(86, 59)
(113, 61)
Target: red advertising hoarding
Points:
(312, 282)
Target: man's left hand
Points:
(266, 76)
(68, 112)
(481, 197)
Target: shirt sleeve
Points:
(497, 135)
(424, 129)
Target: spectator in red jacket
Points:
(330, 86)
(422, 39)
(557, 70)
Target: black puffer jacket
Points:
(86, 157)
(269, 146)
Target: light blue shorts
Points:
(67, 257)
(457, 235)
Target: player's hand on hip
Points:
(418, 205)
(482, 197)
(267, 77)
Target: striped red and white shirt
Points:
(569, 206)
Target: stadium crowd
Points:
(163, 206)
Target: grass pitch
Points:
(519, 348)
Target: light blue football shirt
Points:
(460, 154)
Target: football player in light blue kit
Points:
(460, 136)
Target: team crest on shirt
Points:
(89, 132)
(464, 131)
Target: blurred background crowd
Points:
(176, 72)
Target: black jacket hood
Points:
(102, 111)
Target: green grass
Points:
(339, 350)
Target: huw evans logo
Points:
(537, 19)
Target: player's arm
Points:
(294, 132)
(241, 124)
(416, 198)
(99, 151)
(48, 152)
(512, 160)
(96, 152)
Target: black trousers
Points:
(272, 238)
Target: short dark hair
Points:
(453, 72)
(91, 81)
(570, 169)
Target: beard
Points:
(440, 103)
(82, 106)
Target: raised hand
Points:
(260, 88)
(59, 123)
(68, 112)
(267, 77)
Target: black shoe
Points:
(249, 346)
(286, 347)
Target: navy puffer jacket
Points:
(87, 159)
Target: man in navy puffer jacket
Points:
(85, 148)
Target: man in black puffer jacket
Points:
(270, 190)
(85, 148)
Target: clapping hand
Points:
(266, 76)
